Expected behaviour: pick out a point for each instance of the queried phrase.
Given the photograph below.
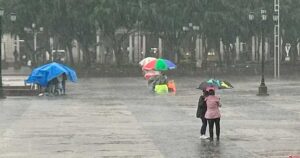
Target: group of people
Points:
(160, 84)
(161, 79)
(57, 86)
(208, 111)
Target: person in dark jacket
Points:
(201, 110)
(64, 83)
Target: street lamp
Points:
(12, 18)
(252, 34)
(191, 27)
(262, 89)
(34, 31)
(277, 43)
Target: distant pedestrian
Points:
(213, 113)
(152, 82)
(64, 83)
(51, 86)
(164, 78)
(59, 85)
(201, 110)
(16, 55)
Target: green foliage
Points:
(80, 19)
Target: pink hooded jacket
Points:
(213, 104)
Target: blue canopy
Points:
(43, 74)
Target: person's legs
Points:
(211, 128)
(56, 89)
(217, 120)
(60, 88)
(52, 88)
(47, 89)
(64, 87)
(203, 127)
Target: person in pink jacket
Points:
(213, 113)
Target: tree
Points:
(82, 25)
(67, 20)
(117, 19)
(166, 23)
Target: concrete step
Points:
(16, 87)
(20, 92)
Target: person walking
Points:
(60, 85)
(51, 86)
(64, 83)
(163, 78)
(201, 110)
(213, 114)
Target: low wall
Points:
(20, 91)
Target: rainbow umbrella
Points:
(159, 65)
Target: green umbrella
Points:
(161, 65)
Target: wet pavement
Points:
(119, 117)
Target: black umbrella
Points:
(204, 85)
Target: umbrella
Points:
(217, 84)
(43, 74)
(146, 60)
(226, 85)
(159, 65)
(210, 88)
(205, 84)
(150, 74)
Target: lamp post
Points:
(12, 18)
(262, 89)
(191, 27)
(252, 34)
(34, 31)
(277, 44)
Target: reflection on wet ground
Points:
(119, 117)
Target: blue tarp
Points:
(43, 74)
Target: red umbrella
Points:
(150, 74)
(146, 60)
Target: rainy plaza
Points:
(149, 79)
(119, 117)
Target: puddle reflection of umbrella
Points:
(43, 74)
(217, 84)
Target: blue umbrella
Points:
(170, 64)
(43, 74)
(214, 82)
